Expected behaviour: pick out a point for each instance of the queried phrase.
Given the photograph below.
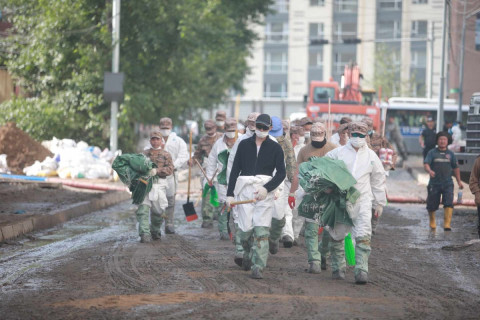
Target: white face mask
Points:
(250, 132)
(261, 134)
(357, 142)
(212, 135)
(301, 140)
(307, 134)
(220, 123)
(165, 132)
(230, 135)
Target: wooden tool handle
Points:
(242, 202)
(201, 169)
(143, 181)
(189, 168)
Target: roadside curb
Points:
(45, 221)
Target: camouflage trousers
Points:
(208, 210)
(362, 253)
(144, 218)
(222, 218)
(255, 246)
(316, 250)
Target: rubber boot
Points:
(431, 215)
(260, 247)
(275, 232)
(447, 218)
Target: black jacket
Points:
(246, 163)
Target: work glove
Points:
(378, 211)
(152, 172)
(261, 193)
(291, 200)
(229, 202)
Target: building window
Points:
(390, 4)
(342, 59)
(276, 62)
(419, 59)
(419, 29)
(276, 32)
(345, 30)
(280, 6)
(419, 1)
(345, 6)
(275, 90)
(316, 31)
(389, 30)
(315, 59)
(317, 3)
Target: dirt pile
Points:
(21, 150)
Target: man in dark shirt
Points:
(439, 163)
(428, 139)
(255, 161)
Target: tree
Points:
(178, 57)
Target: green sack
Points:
(133, 170)
(213, 194)
(349, 250)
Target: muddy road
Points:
(95, 268)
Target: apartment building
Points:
(308, 40)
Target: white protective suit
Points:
(178, 150)
(258, 214)
(157, 197)
(335, 139)
(213, 164)
(367, 169)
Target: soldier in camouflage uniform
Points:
(318, 147)
(156, 201)
(202, 151)
(375, 142)
(278, 217)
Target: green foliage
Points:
(179, 57)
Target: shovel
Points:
(188, 207)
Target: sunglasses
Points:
(262, 127)
(359, 135)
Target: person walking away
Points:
(396, 137)
(427, 138)
(178, 150)
(252, 177)
(367, 169)
(217, 162)
(202, 151)
(250, 131)
(439, 164)
(220, 118)
(335, 138)
(280, 203)
(318, 147)
(474, 185)
(156, 200)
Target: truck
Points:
(467, 155)
(347, 99)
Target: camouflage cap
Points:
(305, 120)
(166, 123)
(319, 120)
(210, 125)
(293, 130)
(156, 134)
(369, 122)
(358, 126)
(286, 125)
(253, 116)
(345, 120)
(220, 115)
(342, 128)
(317, 133)
(231, 124)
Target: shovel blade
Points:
(189, 210)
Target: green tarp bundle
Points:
(318, 175)
(132, 168)
(223, 158)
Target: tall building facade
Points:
(307, 40)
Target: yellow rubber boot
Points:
(447, 218)
(433, 224)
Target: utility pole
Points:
(115, 69)
(462, 56)
(442, 76)
(432, 40)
